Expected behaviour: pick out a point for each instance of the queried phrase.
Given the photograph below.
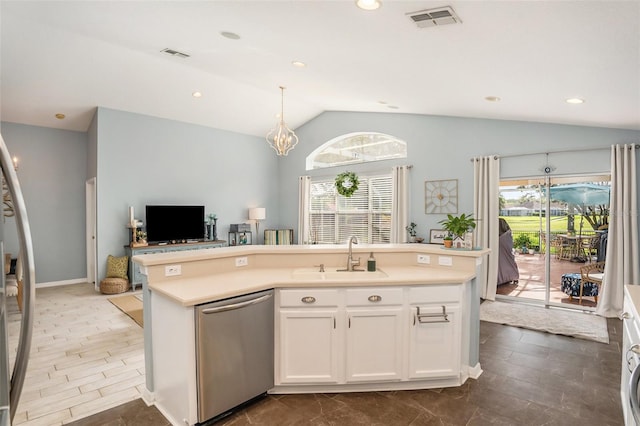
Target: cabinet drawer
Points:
(309, 297)
(378, 296)
(435, 293)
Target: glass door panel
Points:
(556, 224)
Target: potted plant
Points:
(523, 242)
(458, 226)
(448, 241)
(411, 229)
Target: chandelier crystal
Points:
(282, 138)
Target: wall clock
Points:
(441, 196)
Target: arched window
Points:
(353, 148)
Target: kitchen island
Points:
(412, 324)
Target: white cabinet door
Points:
(434, 343)
(308, 346)
(374, 344)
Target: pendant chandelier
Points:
(282, 138)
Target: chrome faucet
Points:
(350, 262)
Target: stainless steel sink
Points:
(314, 274)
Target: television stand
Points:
(135, 277)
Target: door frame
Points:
(91, 232)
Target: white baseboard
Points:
(475, 371)
(148, 397)
(60, 283)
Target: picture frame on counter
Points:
(436, 236)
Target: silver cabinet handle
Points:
(233, 306)
(625, 315)
(375, 298)
(308, 299)
(29, 282)
(431, 318)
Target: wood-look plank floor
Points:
(529, 378)
(86, 356)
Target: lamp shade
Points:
(257, 213)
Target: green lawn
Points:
(532, 223)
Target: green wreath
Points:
(347, 183)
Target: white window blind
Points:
(366, 214)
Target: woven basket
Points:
(114, 285)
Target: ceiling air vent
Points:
(434, 17)
(174, 53)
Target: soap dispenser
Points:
(371, 263)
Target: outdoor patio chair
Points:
(590, 247)
(566, 249)
(588, 280)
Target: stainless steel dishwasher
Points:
(234, 344)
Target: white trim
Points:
(148, 397)
(475, 371)
(91, 232)
(61, 283)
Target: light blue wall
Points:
(141, 160)
(52, 174)
(441, 148)
(145, 160)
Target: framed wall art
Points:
(436, 236)
(441, 196)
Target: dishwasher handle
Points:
(234, 306)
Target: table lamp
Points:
(257, 214)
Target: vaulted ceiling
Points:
(69, 57)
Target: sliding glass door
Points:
(557, 225)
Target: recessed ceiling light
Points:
(298, 64)
(492, 99)
(60, 116)
(393, 106)
(196, 94)
(575, 101)
(230, 35)
(368, 4)
(382, 102)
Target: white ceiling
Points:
(71, 56)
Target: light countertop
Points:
(633, 291)
(211, 274)
(193, 291)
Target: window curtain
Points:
(400, 204)
(304, 185)
(486, 211)
(623, 256)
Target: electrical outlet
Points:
(424, 258)
(242, 261)
(172, 270)
(445, 261)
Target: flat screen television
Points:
(174, 223)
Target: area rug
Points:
(130, 305)
(556, 321)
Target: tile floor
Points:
(529, 378)
(86, 356)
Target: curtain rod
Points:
(636, 146)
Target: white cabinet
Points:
(367, 335)
(374, 334)
(308, 337)
(435, 337)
